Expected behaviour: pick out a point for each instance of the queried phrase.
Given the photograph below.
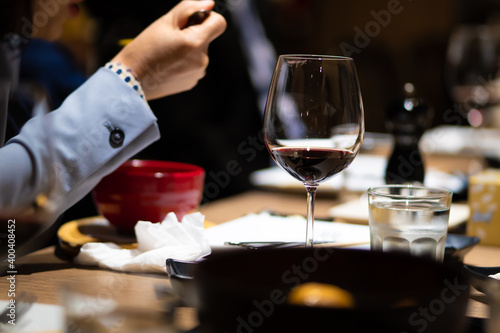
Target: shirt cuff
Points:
(126, 75)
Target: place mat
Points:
(356, 211)
(74, 234)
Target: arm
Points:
(166, 59)
(80, 136)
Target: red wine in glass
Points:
(312, 165)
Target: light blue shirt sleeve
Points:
(79, 133)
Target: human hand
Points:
(168, 59)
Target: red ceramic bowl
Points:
(148, 190)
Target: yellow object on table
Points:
(484, 202)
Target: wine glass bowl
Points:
(472, 72)
(313, 124)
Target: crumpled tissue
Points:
(170, 238)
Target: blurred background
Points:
(217, 125)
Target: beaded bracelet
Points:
(126, 74)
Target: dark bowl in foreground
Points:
(247, 291)
(480, 277)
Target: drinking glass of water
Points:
(410, 219)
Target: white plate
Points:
(365, 171)
(264, 227)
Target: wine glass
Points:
(473, 73)
(313, 122)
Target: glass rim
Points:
(314, 56)
(433, 192)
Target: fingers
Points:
(213, 26)
(186, 8)
(181, 53)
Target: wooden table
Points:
(42, 273)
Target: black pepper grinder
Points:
(406, 120)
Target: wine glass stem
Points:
(311, 197)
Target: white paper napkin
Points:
(184, 240)
(39, 318)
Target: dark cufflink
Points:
(116, 135)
